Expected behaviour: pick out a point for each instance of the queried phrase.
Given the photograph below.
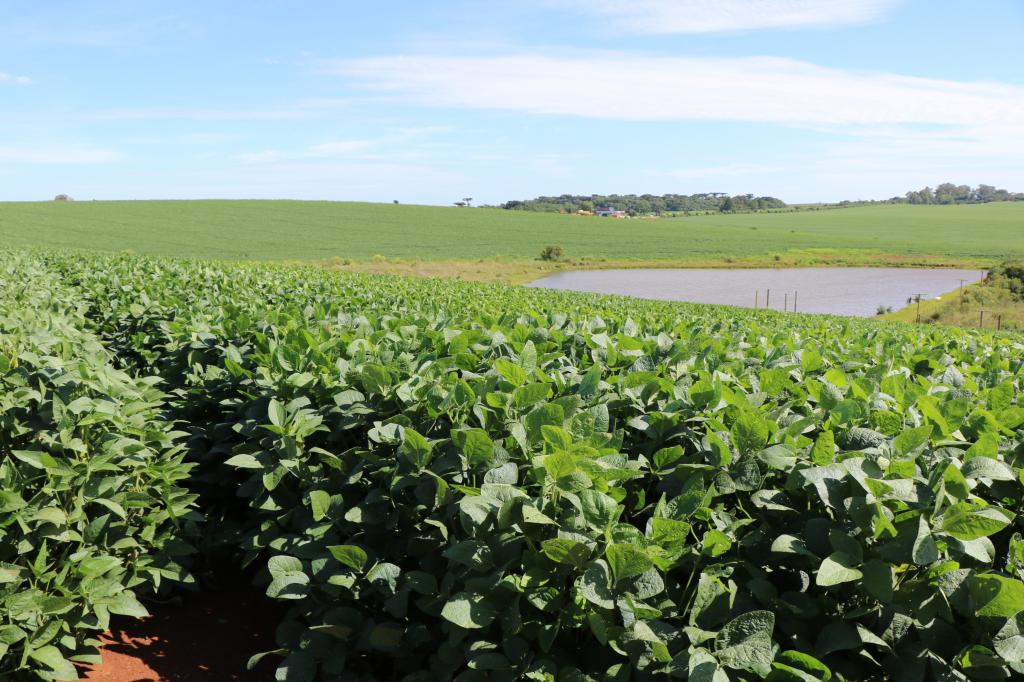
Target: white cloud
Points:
(726, 170)
(10, 79)
(637, 88)
(351, 149)
(706, 16)
(932, 116)
(57, 155)
(342, 147)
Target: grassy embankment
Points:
(981, 305)
(498, 245)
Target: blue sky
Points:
(807, 100)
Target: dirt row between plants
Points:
(203, 636)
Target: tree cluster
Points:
(948, 193)
(718, 202)
(647, 204)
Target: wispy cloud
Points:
(57, 155)
(345, 149)
(640, 88)
(725, 170)
(878, 125)
(707, 16)
(10, 79)
(318, 151)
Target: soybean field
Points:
(445, 480)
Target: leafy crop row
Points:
(447, 480)
(92, 508)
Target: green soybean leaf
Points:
(590, 382)
(911, 439)
(837, 568)
(51, 657)
(320, 503)
(749, 432)
(350, 555)
(469, 610)
(596, 585)
(969, 522)
(824, 449)
(626, 561)
(243, 461)
(566, 551)
(746, 641)
(415, 448)
(996, 595)
(276, 413)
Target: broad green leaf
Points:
(596, 585)
(1009, 641)
(749, 432)
(715, 543)
(351, 555)
(996, 595)
(746, 641)
(599, 510)
(243, 461)
(566, 551)
(969, 522)
(590, 382)
(415, 448)
(911, 439)
(985, 467)
(51, 657)
(477, 447)
(626, 561)
(797, 666)
(320, 503)
(837, 568)
(469, 610)
(283, 565)
(823, 452)
(276, 413)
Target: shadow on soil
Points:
(207, 635)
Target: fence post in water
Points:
(918, 308)
(785, 301)
(794, 300)
(756, 292)
(767, 298)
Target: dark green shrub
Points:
(552, 252)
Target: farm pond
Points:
(838, 291)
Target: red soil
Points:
(208, 637)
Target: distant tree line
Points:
(719, 202)
(948, 193)
(646, 204)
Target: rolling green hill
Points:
(303, 230)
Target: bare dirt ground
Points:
(209, 636)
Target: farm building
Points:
(609, 212)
